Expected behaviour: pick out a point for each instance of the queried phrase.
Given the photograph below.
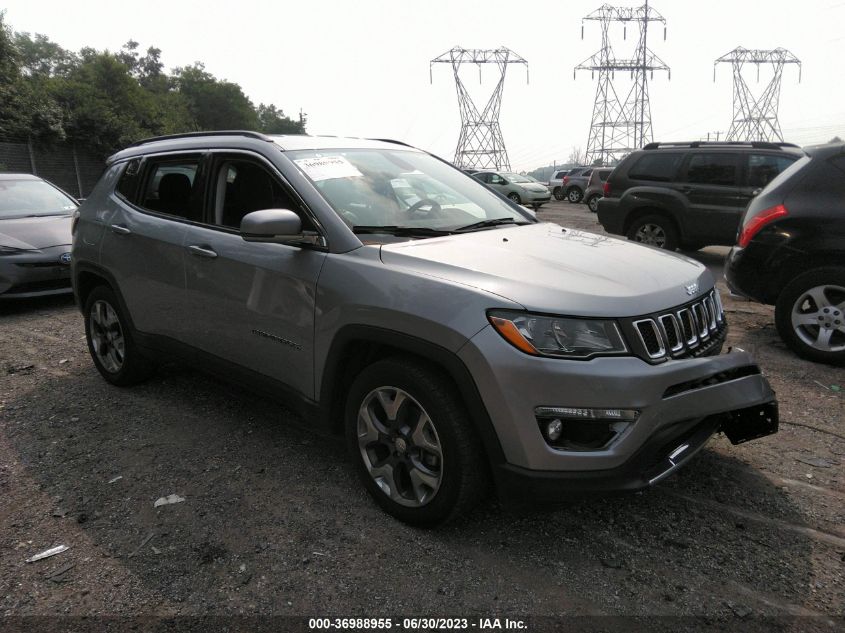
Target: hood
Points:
(35, 233)
(549, 269)
(533, 186)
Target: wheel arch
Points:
(800, 264)
(86, 277)
(356, 346)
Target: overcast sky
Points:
(361, 67)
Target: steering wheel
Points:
(425, 202)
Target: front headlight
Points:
(563, 337)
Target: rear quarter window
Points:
(659, 167)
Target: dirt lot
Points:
(273, 521)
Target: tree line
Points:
(105, 101)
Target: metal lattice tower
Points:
(756, 118)
(480, 145)
(621, 125)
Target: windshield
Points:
(400, 188)
(21, 198)
(517, 178)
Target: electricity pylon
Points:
(756, 118)
(480, 145)
(619, 126)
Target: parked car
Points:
(595, 188)
(575, 183)
(35, 237)
(556, 184)
(689, 195)
(521, 189)
(790, 253)
(428, 329)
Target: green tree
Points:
(272, 120)
(214, 104)
(12, 102)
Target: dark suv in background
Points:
(689, 195)
(790, 253)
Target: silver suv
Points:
(457, 342)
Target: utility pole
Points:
(756, 118)
(480, 144)
(620, 125)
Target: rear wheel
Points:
(515, 197)
(593, 202)
(412, 443)
(654, 230)
(574, 195)
(110, 342)
(559, 193)
(810, 315)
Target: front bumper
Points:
(677, 400)
(35, 273)
(536, 197)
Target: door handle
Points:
(202, 251)
(120, 229)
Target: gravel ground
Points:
(274, 523)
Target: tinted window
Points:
(712, 169)
(243, 187)
(171, 188)
(483, 177)
(763, 168)
(660, 166)
(127, 186)
(604, 173)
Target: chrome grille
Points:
(685, 331)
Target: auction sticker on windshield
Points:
(327, 167)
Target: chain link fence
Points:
(74, 169)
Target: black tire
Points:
(796, 296)
(536, 206)
(463, 475)
(515, 197)
(121, 364)
(593, 202)
(662, 228)
(558, 193)
(574, 195)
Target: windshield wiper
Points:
(400, 231)
(485, 223)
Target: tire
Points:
(558, 193)
(574, 195)
(593, 202)
(654, 230)
(536, 206)
(448, 483)
(110, 342)
(801, 319)
(515, 197)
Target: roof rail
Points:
(693, 144)
(169, 137)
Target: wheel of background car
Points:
(574, 195)
(654, 230)
(515, 197)
(412, 443)
(425, 202)
(810, 315)
(536, 206)
(593, 203)
(558, 193)
(110, 342)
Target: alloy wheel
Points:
(651, 234)
(107, 336)
(818, 318)
(400, 446)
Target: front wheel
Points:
(593, 203)
(810, 315)
(515, 197)
(574, 195)
(654, 230)
(559, 193)
(412, 443)
(110, 342)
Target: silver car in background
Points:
(35, 237)
(521, 189)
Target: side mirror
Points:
(279, 226)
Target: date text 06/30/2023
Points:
(412, 624)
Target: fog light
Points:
(573, 413)
(554, 429)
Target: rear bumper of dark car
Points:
(610, 216)
(748, 274)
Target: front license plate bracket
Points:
(744, 425)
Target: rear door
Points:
(154, 202)
(251, 303)
(711, 183)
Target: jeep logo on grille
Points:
(64, 258)
(692, 288)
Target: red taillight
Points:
(760, 220)
(565, 179)
(606, 188)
